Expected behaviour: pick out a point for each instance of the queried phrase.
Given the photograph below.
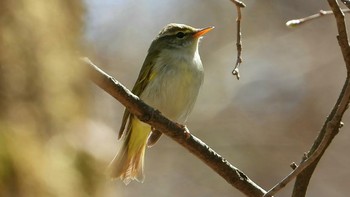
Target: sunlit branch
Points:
(178, 133)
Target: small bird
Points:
(169, 80)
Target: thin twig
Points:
(179, 133)
(239, 5)
(346, 2)
(331, 126)
(296, 22)
(303, 179)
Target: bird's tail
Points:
(128, 163)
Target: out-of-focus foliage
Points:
(43, 100)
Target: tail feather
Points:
(128, 163)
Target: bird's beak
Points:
(201, 32)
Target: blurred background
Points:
(59, 131)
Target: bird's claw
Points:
(185, 130)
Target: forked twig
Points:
(307, 161)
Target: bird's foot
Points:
(185, 130)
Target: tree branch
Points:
(239, 5)
(332, 124)
(179, 133)
(326, 135)
(334, 119)
(296, 22)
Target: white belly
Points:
(174, 89)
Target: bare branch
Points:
(333, 123)
(179, 133)
(342, 33)
(329, 130)
(331, 127)
(296, 22)
(239, 5)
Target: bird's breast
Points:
(175, 86)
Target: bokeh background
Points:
(63, 129)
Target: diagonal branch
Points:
(326, 135)
(179, 133)
(333, 122)
(299, 21)
(331, 126)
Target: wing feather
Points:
(143, 79)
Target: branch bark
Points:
(179, 133)
(333, 122)
(330, 128)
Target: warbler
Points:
(169, 81)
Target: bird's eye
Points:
(180, 34)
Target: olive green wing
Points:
(145, 76)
